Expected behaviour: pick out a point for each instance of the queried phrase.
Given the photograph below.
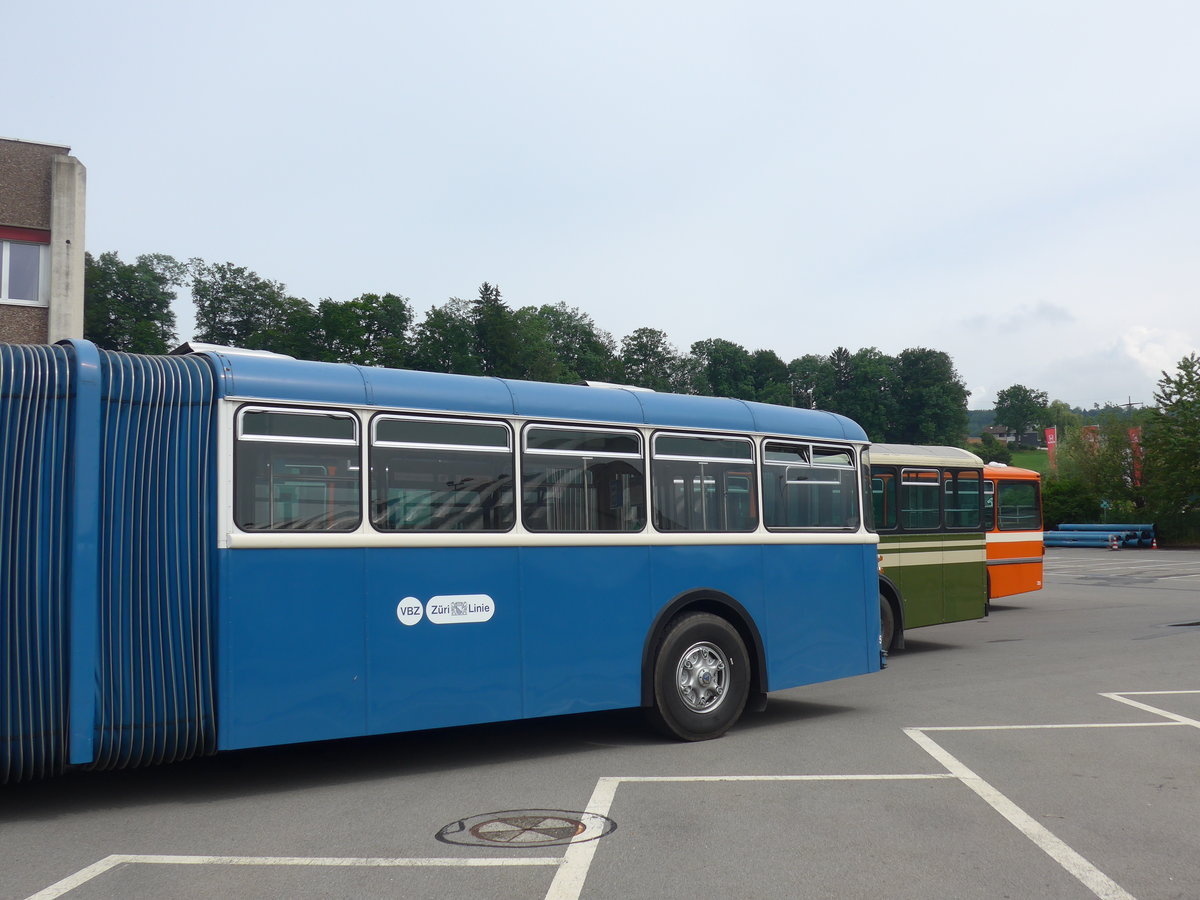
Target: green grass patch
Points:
(1037, 460)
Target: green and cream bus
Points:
(928, 505)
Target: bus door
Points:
(920, 558)
(964, 578)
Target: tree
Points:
(1171, 441)
(724, 369)
(538, 357)
(812, 380)
(1061, 416)
(994, 450)
(237, 308)
(128, 306)
(1018, 408)
(931, 399)
(771, 378)
(287, 325)
(1098, 458)
(649, 360)
(863, 389)
(576, 348)
(445, 340)
(497, 346)
(370, 330)
(1068, 500)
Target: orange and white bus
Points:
(1012, 514)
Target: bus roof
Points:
(1001, 470)
(287, 380)
(917, 455)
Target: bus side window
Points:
(296, 470)
(883, 498)
(703, 483)
(1019, 505)
(963, 498)
(808, 486)
(435, 474)
(582, 479)
(920, 505)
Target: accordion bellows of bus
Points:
(216, 549)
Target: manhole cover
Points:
(527, 828)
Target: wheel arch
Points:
(891, 591)
(719, 604)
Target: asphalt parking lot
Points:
(1049, 750)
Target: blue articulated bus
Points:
(224, 549)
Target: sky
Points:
(1015, 184)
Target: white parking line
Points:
(1118, 571)
(568, 881)
(572, 868)
(1123, 697)
(1091, 877)
(1113, 563)
(1086, 873)
(111, 862)
(1110, 563)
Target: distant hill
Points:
(979, 419)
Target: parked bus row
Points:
(954, 534)
(226, 549)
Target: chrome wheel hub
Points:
(702, 676)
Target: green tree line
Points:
(915, 397)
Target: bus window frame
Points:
(1037, 493)
(507, 450)
(936, 483)
(894, 482)
(810, 454)
(989, 522)
(240, 436)
(586, 457)
(954, 474)
(753, 477)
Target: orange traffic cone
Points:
(1153, 543)
(1114, 543)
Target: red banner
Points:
(1135, 453)
(1051, 447)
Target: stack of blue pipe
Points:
(1100, 535)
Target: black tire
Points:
(701, 678)
(887, 624)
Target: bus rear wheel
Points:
(701, 678)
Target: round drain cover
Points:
(527, 828)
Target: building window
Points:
(24, 273)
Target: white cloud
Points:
(1156, 349)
